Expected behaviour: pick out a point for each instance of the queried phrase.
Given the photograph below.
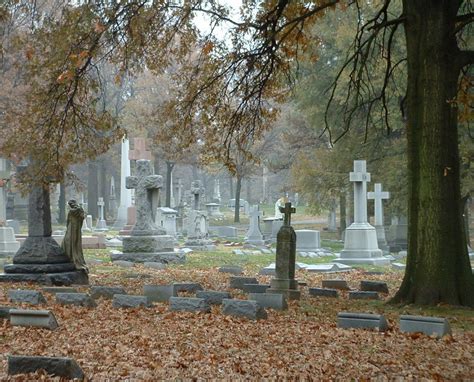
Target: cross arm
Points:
(131, 182)
(153, 182)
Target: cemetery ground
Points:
(154, 343)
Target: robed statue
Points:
(72, 243)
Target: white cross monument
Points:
(254, 235)
(378, 196)
(360, 246)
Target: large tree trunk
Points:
(438, 268)
(238, 187)
(169, 171)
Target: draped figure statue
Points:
(72, 243)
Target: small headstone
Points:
(5, 312)
(159, 293)
(106, 292)
(26, 296)
(427, 325)
(189, 304)
(363, 295)
(56, 366)
(235, 270)
(238, 282)
(255, 288)
(307, 240)
(399, 266)
(335, 284)
(78, 299)
(267, 271)
(54, 290)
(243, 308)
(129, 301)
(323, 292)
(270, 300)
(213, 297)
(347, 320)
(374, 286)
(123, 263)
(154, 265)
(33, 318)
(187, 287)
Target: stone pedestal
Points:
(213, 210)
(8, 244)
(197, 232)
(308, 240)
(360, 245)
(40, 259)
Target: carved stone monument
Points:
(378, 196)
(125, 193)
(360, 245)
(101, 223)
(40, 259)
(254, 235)
(284, 281)
(147, 242)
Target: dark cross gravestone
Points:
(284, 281)
(197, 190)
(40, 259)
(147, 188)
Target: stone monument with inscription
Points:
(360, 245)
(147, 241)
(284, 281)
(40, 259)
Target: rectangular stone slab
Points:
(235, 270)
(129, 301)
(106, 292)
(374, 286)
(238, 282)
(363, 295)
(54, 290)
(57, 366)
(266, 300)
(323, 292)
(189, 304)
(34, 318)
(335, 284)
(243, 308)
(26, 296)
(159, 293)
(347, 320)
(77, 299)
(187, 287)
(427, 325)
(255, 288)
(213, 297)
(5, 312)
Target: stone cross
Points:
(196, 190)
(254, 236)
(147, 187)
(360, 177)
(101, 204)
(378, 195)
(139, 150)
(287, 211)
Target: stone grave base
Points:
(200, 245)
(77, 277)
(157, 257)
(286, 287)
(360, 259)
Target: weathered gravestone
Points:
(254, 236)
(56, 366)
(33, 318)
(189, 304)
(348, 320)
(336, 284)
(130, 301)
(40, 259)
(213, 297)
(360, 245)
(438, 327)
(266, 300)
(323, 292)
(238, 282)
(147, 242)
(374, 286)
(77, 299)
(106, 292)
(166, 219)
(363, 295)
(32, 297)
(284, 281)
(307, 240)
(378, 196)
(243, 308)
(159, 293)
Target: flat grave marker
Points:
(347, 320)
(33, 318)
(57, 366)
(427, 325)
